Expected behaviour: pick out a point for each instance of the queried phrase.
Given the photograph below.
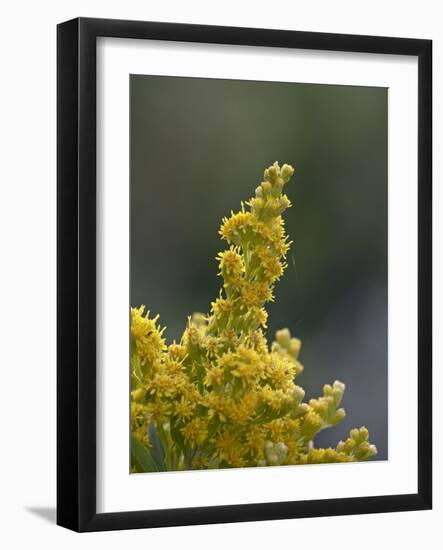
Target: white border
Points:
(116, 489)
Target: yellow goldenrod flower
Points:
(146, 336)
(222, 397)
(184, 409)
(195, 431)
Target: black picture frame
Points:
(76, 267)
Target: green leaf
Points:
(136, 371)
(157, 450)
(142, 456)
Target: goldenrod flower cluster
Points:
(222, 397)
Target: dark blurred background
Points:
(199, 147)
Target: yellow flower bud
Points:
(294, 347)
(372, 451)
(281, 451)
(338, 417)
(266, 187)
(273, 459)
(286, 172)
(283, 337)
(298, 394)
(271, 173)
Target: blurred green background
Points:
(199, 147)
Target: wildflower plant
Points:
(222, 397)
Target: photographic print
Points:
(244, 274)
(258, 274)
